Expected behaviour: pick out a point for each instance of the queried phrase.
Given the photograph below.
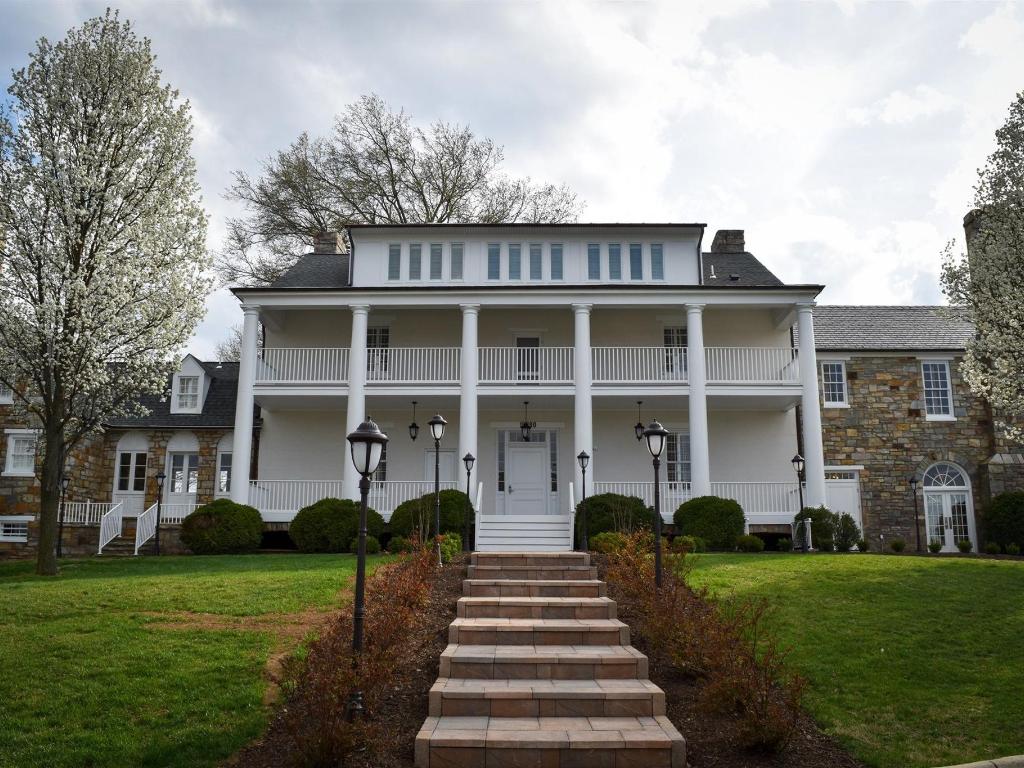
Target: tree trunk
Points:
(49, 494)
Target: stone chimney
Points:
(328, 242)
(728, 241)
(972, 225)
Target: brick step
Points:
(543, 662)
(530, 588)
(546, 559)
(497, 631)
(549, 742)
(536, 607)
(533, 572)
(546, 698)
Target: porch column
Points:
(583, 422)
(700, 463)
(814, 454)
(356, 394)
(467, 395)
(241, 450)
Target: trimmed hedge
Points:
(372, 545)
(686, 544)
(719, 522)
(330, 525)
(1004, 519)
(222, 527)
(607, 542)
(748, 542)
(410, 515)
(613, 512)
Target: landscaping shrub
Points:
(400, 544)
(1012, 548)
(222, 527)
(451, 546)
(991, 548)
(846, 533)
(785, 544)
(330, 525)
(823, 527)
(685, 544)
(1003, 518)
(613, 512)
(607, 542)
(416, 516)
(862, 545)
(964, 545)
(935, 547)
(897, 545)
(749, 543)
(718, 521)
(372, 545)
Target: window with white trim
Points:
(657, 262)
(493, 261)
(677, 458)
(224, 473)
(536, 261)
(415, 262)
(614, 261)
(556, 261)
(833, 383)
(188, 393)
(394, 261)
(381, 473)
(21, 453)
(515, 261)
(593, 261)
(938, 396)
(456, 251)
(6, 395)
(131, 471)
(14, 529)
(636, 261)
(436, 261)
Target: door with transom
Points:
(527, 479)
(948, 507)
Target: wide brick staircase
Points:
(539, 673)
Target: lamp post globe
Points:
(584, 460)
(656, 436)
(468, 460)
(160, 478)
(437, 425)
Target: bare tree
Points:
(377, 167)
(229, 350)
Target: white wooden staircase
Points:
(524, 533)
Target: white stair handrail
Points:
(572, 516)
(476, 510)
(145, 527)
(110, 526)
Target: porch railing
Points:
(526, 365)
(760, 498)
(302, 364)
(412, 365)
(639, 365)
(145, 527)
(173, 514)
(110, 526)
(385, 496)
(85, 512)
(283, 498)
(672, 493)
(755, 365)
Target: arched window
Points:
(945, 475)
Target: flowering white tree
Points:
(989, 279)
(102, 240)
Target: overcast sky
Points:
(843, 138)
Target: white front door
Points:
(130, 482)
(182, 478)
(949, 518)
(526, 479)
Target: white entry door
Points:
(949, 518)
(526, 479)
(183, 478)
(842, 494)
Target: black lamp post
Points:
(584, 459)
(437, 425)
(917, 522)
(367, 444)
(65, 481)
(414, 428)
(798, 467)
(638, 428)
(159, 502)
(656, 434)
(469, 460)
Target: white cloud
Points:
(901, 107)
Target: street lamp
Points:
(159, 501)
(414, 428)
(469, 460)
(798, 467)
(638, 428)
(437, 425)
(656, 435)
(917, 522)
(584, 459)
(65, 481)
(367, 444)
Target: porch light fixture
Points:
(160, 477)
(639, 426)
(469, 460)
(526, 426)
(414, 428)
(65, 481)
(584, 459)
(367, 445)
(913, 481)
(437, 425)
(656, 436)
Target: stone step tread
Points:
(550, 732)
(570, 654)
(501, 624)
(531, 601)
(466, 688)
(531, 582)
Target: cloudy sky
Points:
(842, 137)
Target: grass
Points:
(912, 661)
(150, 662)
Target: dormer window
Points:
(188, 393)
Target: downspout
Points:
(700, 259)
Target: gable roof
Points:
(316, 270)
(736, 269)
(846, 328)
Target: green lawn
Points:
(148, 661)
(912, 661)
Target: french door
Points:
(183, 478)
(948, 518)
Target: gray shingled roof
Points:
(742, 269)
(316, 270)
(879, 328)
(218, 408)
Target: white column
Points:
(583, 422)
(356, 394)
(700, 463)
(814, 454)
(241, 451)
(467, 394)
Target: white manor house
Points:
(580, 321)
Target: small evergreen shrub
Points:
(400, 544)
(719, 522)
(823, 527)
(415, 517)
(613, 512)
(785, 544)
(897, 545)
(935, 547)
(991, 548)
(964, 545)
(372, 545)
(1012, 548)
(330, 525)
(862, 545)
(222, 527)
(1004, 518)
(451, 546)
(685, 544)
(607, 542)
(749, 543)
(846, 533)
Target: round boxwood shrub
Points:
(613, 512)
(718, 521)
(372, 545)
(330, 525)
(991, 548)
(222, 527)
(897, 545)
(964, 545)
(1012, 548)
(935, 547)
(1004, 518)
(607, 542)
(823, 527)
(785, 544)
(749, 543)
(687, 544)
(416, 516)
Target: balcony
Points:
(514, 366)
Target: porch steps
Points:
(516, 533)
(539, 673)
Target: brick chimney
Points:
(328, 242)
(728, 241)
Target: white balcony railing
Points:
(639, 365)
(302, 364)
(672, 493)
(413, 365)
(281, 499)
(754, 365)
(526, 365)
(85, 512)
(761, 498)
